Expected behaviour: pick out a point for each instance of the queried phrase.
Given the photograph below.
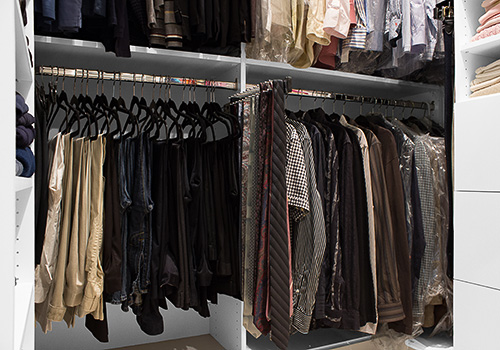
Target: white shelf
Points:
(23, 183)
(23, 300)
(336, 81)
(53, 51)
(318, 339)
(24, 77)
(438, 342)
(489, 47)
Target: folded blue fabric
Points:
(25, 119)
(27, 159)
(21, 106)
(24, 136)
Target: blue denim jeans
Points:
(139, 242)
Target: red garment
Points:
(326, 58)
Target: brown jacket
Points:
(389, 304)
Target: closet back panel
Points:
(123, 331)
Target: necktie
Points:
(279, 242)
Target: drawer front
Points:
(476, 311)
(477, 238)
(477, 144)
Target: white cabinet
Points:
(477, 189)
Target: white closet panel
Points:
(476, 311)
(477, 238)
(477, 145)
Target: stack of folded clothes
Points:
(490, 21)
(25, 134)
(487, 80)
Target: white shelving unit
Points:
(477, 188)
(17, 205)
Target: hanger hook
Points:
(64, 78)
(343, 105)
(142, 85)
(154, 86)
(133, 86)
(87, 84)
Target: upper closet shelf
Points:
(489, 47)
(336, 81)
(24, 75)
(91, 55)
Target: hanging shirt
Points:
(357, 35)
(309, 245)
(315, 22)
(337, 18)
(375, 11)
(393, 19)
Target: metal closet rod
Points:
(80, 73)
(254, 90)
(362, 99)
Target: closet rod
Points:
(254, 89)
(362, 99)
(80, 73)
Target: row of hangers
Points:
(161, 118)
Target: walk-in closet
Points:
(249, 175)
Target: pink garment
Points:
(490, 23)
(495, 10)
(487, 32)
(352, 13)
(326, 58)
(488, 4)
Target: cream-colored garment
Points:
(337, 18)
(477, 87)
(315, 20)
(75, 270)
(92, 301)
(494, 66)
(493, 89)
(301, 55)
(44, 272)
(53, 308)
(369, 327)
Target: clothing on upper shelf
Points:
(355, 36)
(367, 239)
(212, 26)
(487, 80)
(139, 215)
(489, 22)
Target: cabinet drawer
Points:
(477, 144)
(477, 238)
(476, 311)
